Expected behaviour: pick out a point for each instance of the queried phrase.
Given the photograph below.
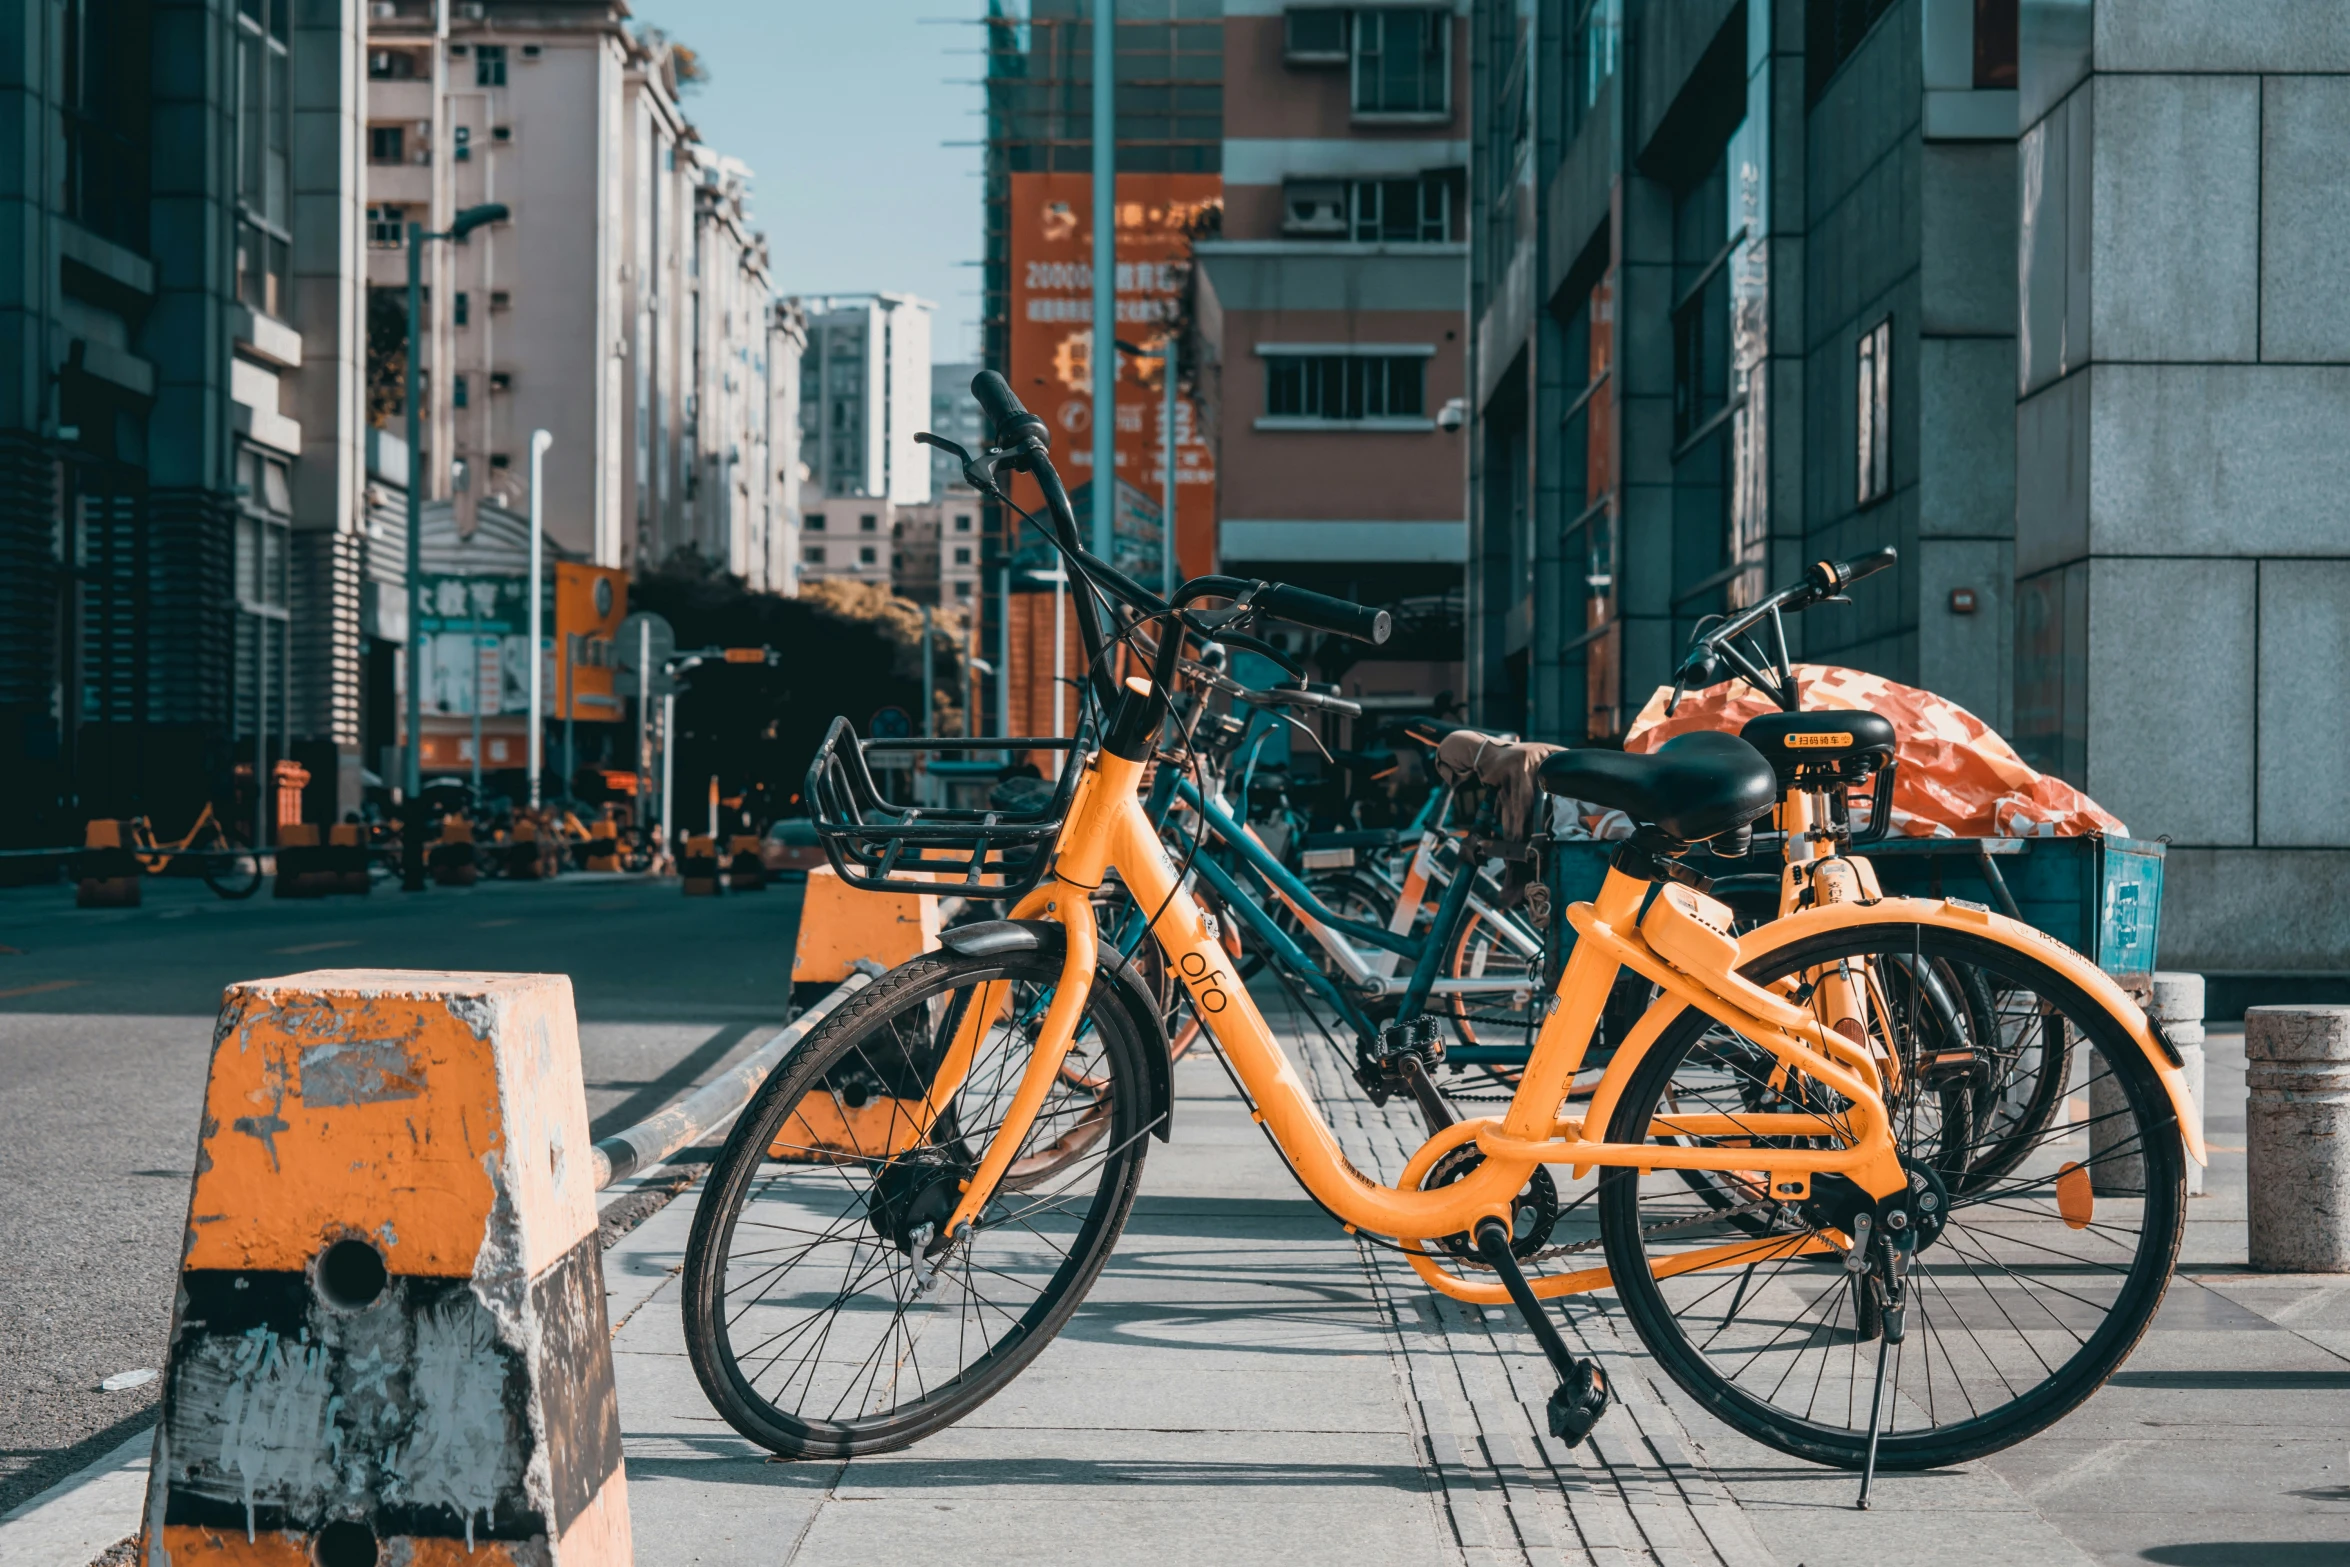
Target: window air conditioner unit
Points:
(1316, 207)
(383, 11)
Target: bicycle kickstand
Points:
(1582, 1395)
(1889, 1337)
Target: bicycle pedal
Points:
(1579, 1402)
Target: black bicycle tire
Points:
(2040, 1407)
(233, 892)
(2003, 1156)
(719, 1208)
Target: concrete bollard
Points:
(2297, 1138)
(108, 874)
(390, 1343)
(2178, 1007)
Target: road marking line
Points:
(43, 988)
(311, 946)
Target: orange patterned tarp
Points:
(1957, 778)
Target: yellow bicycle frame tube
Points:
(1107, 827)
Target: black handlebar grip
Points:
(1323, 613)
(1830, 577)
(1011, 423)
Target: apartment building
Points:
(1332, 308)
(847, 536)
(865, 394)
(955, 415)
(935, 558)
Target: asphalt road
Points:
(105, 1020)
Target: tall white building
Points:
(864, 394)
(623, 307)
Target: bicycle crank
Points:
(1582, 1396)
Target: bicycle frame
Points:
(1108, 828)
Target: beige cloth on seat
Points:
(1511, 768)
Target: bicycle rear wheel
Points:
(824, 1315)
(2017, 1307)
(231, 868)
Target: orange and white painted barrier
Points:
(839, 925)
(108, 875)
(390, 1342)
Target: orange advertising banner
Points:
(590, 604)
(1052, 351)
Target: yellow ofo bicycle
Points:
(920, 1196)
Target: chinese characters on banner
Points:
(474, 630)
(1052, 347)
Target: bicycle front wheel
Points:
(2016, 1306)
(825, 1315)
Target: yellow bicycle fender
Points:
(1950, 914)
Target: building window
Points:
(963, 557)
(462, 315)
(812, 555)
(1833, 32)
(1593, 41)
(1344, 387)
(501, 300)
(1403, 212)
(962, 590)
(868, 523)
(865, 556)
(1314, 36)
(1402, 62)
(1873, 430)
(489, 65)
(501, 380)
(262, 523)
(394, 65)
(463, 137)
(105, 107)
(963, 521)
(501, 460)
(264, 136)
(387, 227)
(387, 144)
(815, 522)
(457, 397)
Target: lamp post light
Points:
(412, 783)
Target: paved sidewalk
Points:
(1246, 1384)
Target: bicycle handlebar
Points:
(1011, 424)
(1823, 581)
(1323, 613)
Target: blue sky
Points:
(841, 110)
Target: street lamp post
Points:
(540, 440)
(412, 783)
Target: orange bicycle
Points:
(219, 854)
(904, 1216)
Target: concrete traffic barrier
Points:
(745, 870)
(300, 870)
(2297, 1138)
(346, 858)
(603, 845)
(452, 857)
(698, 867)
(108, 874)
(390, 1343)
(840, 924)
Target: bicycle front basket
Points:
(879, 845)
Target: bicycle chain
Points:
(1548, 1253)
